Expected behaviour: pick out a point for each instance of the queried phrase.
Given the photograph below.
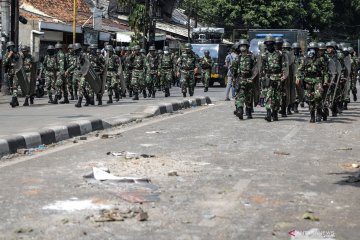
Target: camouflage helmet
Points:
(269, 39)
(206, 52)
(243, 42)
(70, 46)
(25, 48)
(50, 47)
(10, 44)
(93, 46)
(313, 45)
(166, 48)
(143, 51)
(188, 46)
(117, 49)
(109, 48)
(58, 46)
(77, 46)
(351, 50)
(152, 48)
(136, 48)
(331, 44)
(160, 51)
(286, 45)
(345, 49)
(322, 46)
(279, 40)
(98, 51)
(295, 45)
(127, 49)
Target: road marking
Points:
(117, 130)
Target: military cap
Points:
(77, 46)
(279, 40)
(93, 46)
(70, 46)
(345, 49)
(58, 46)
(206, 52)
(295, 45)
(136, 48)
(50, 47)
(286, 45)
(160, 51)
(322, 46)
(351, 50)
(142, 51)
(10, 44)
(313, 45)
(188, 46)
(269, 39)
(122, 48)
(152, 48)
(25, 48)
(243, 42)
(331, 44)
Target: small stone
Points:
(83, 138)
(355, 165)
(138, 120)
(104, 136)
(75, 141)
(23, 151)
(172, 174)
(142, 216)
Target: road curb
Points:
(53, 134)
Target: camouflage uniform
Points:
(273, 65)
(325, 79)
(206, 64)
(70, 58)
(175, 56)
(152, 72)
(112, 63)
(61, 84)
(50, 65)
(10, 60)
(187, 64)
(28, 67)
(138, 67)
(98, 63)
(310, 73)
(298, 58)
(243, 76)
(127, 59)
(166, 70)
(354, 72)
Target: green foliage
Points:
(137, 19)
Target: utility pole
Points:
(146, 24)
(153, 5)
(5, 17)
(196, 12)
(74, 21)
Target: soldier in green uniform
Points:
(166, 70)
(273, 75)
(324, 79)
(138, 66)
(28, 66)
(112, 63)
(69, 60)
(310, 74)
(10, 59)
(243, 76)
(187, 64)
(143, 52)
(127, 61)
(152, 71)
(49, 67)
(334, 92)
(61, 85)
(206, 64)
(98, 63)
(354, 72)
(175, 56)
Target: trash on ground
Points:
(112, 215)
(130, 155)
(355, 165)
(24, 230)
(75, 205)
(101, 175)
(106, 135)
(209, 216)
(281, 153)
(344, 149)
(153, 132)
(310, 216)
(354, 179)
(172, 174)
(22, 151)
(83, 138)
(75, 141)
(138, 120)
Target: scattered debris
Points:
(91, 174)
(172, 174)
(130, 155)
(310, 216)
(138, 120)
(153, 132)
(106, 135)
(23, 151)
(24, 230)
(139, 196)
(65, 221)
(112, 215)
(355, 165)
(344, 149)
(75, 205)
(147, 145)
(75, 141)
(83, 138)
(281, 153)
(354, 179)
(102, 175)
(209, 216)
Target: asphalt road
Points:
(235, 180)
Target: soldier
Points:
(60, 85)
(10, 60)
(345, 80)
(50, 66)
(354, 73)
(166, 70)
(98, 63)
(335, 75)
(290, 90)
(187, 64)
(112, 62)
(243, 76)
(138, 67)
(299, 99)
(127, 70)
(206, 64)
(28, 67)
(70, 57)
(273, 75)
(310, 75)
(324, 78)
(143, 52)
(175, 57)
(152, 71)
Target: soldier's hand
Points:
(282, 78)
(297, 82)
(11, 53)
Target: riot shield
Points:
(292, 78)
(347, 68)
(104, 73)
(121, 76)
(256, 81)
(299, 91)
(33, 76)
(21, 76)
(287, 82)
(90, 75)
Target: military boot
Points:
(31, 100)
(65, 101)
(283, 107)
(150, 93)
(206, 89)
(13, 102)
(167, 92)
(248, 113)
(55, 100)
(268, 115)
(153, 94)
(72, 96)
(92, 100)
(340, 107)
(78, 104)
(319, 115)
(345, 105)
(26, 103)
(296, 107)
(262, 102)
(123, 94)
(51, 100)
(99, 98)
(75, 94)
(302, 104)
(117, 96)
(136, 96)
(191, 92)
(354, 96)
(236, 111)
(184, 94)
(87, 101)
(289, 110)
(144, 93)
(130, 94)
(334, 111)
(325, 114)
(275, 116)
(312, 116)
(110, 100)
(241, 113)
